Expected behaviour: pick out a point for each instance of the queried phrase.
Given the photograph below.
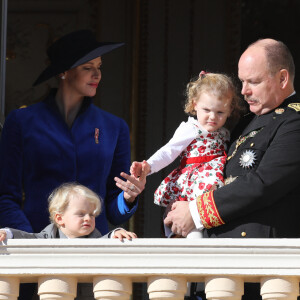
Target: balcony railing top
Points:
(195, 259)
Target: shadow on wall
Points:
(264, 19)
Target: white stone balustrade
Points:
(165, 264)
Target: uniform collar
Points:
(258, 122)
(291, 99)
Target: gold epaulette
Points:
(295, 106)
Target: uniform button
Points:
(243, 234)
(252, 144)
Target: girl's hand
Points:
(139, 168)
(136, 169)
(122, 233)
(2, 235)
(146, 168)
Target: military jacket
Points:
(261, 198)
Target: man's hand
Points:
(180, 219)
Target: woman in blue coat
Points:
(66, 138)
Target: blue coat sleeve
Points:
(11, 172)
(117, 209)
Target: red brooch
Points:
(97, 135)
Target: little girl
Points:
(201, 143)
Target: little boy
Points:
(73, 209)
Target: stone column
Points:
(112, 287)
(9, 288)
(57, 287)
(167, 288)
(231, 288)
(279, 288)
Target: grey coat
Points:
(52, 232)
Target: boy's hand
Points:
(122, 233)
(2, 235)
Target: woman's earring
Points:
(63, 77)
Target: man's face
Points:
(259, 87)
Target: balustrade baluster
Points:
(221, 288)
(57, 287)
(109, 288)
(9, 288)
(173, 288)
(273, 288)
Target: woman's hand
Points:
(132, 187)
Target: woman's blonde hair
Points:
(59, 199)
(220, 85)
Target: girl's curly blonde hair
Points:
(61, 196)
(220, 85)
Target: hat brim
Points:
(53, 70)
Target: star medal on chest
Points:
(247, 159)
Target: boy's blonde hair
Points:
(218, 84)
(59, 199)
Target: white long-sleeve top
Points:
(183, 136)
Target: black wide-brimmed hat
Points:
(72, 50)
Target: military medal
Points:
(241, 140)
(230, 179)
(247, 159)
(279, 111)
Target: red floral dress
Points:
(200, 170)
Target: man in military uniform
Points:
(261, 196)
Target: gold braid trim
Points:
(208, 211)
(295, 106)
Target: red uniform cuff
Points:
(208, 211)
